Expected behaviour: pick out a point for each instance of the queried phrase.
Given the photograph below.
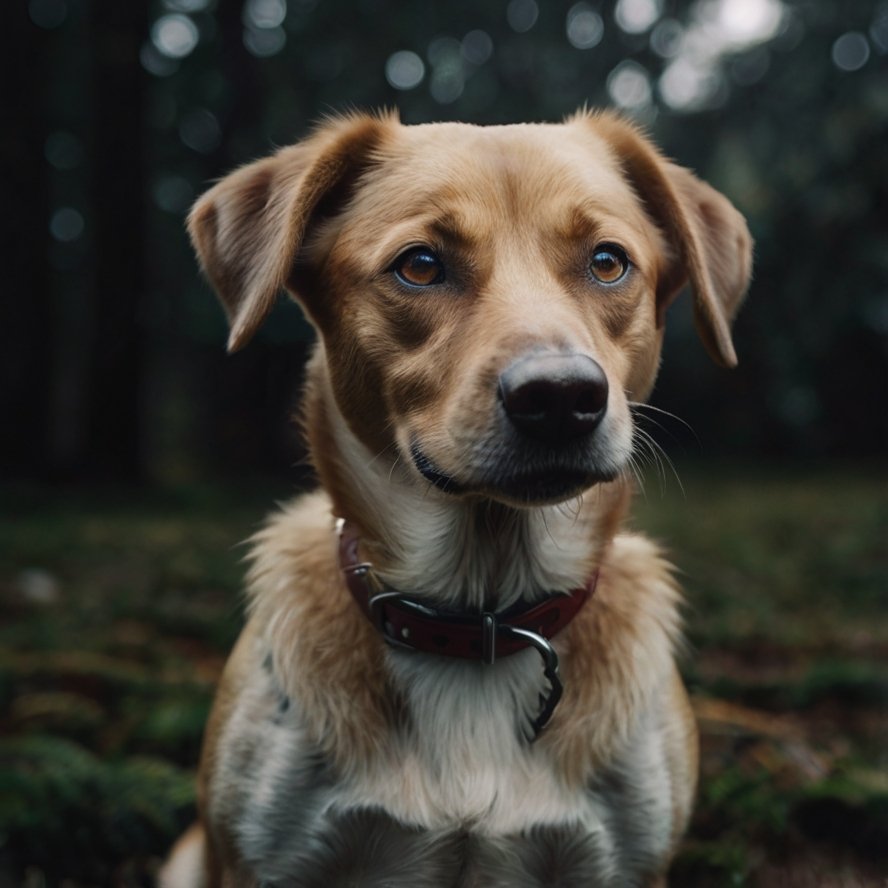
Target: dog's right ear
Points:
(248, 229)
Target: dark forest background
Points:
(117, 115)
(135, 455)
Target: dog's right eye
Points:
(419, 267)
(609, 263)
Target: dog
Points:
(458, 667)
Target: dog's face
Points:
(490, 299)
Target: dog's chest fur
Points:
(450, 792)
(467, 807)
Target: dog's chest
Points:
(367, 847)
(460, 799)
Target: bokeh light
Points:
(636, 16)
(477, 47)
(667, 38)
(404, 70)
(878, 31)
(173, 194)
(186, 5)
(445, 51)
(629, 86)
(740, 23)
(522, 15)
(264, 13)
(685, 85)
(851, 51)
(448, 80)
(66, 225)
(585, 27)
(447, 83)
(174, 35)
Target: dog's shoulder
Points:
(296, 541)
(321, 650)
(618, 655)
(638, 577)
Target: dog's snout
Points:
(554, 398)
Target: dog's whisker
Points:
(392, 445)
(649, 448)
(395, 463)
(638, 408)
(637, 475)
(572, 508)
(664, 460)
(653, 453)
(658, 456)
(644, 405)
(548, 530)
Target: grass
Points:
(786, 578)
(117, 609)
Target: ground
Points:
(117, 608)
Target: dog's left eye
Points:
(419, 267)
(608, 263)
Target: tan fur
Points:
(186, 865)
(631, 630)
(515, 212)
(341, 687)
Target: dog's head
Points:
(489, 299)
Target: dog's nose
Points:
(554, 398)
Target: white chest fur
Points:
(464, 758)
(459, 767)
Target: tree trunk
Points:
(25, 306)
(118, 211)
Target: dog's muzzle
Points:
(545, 443)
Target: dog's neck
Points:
(455, 552)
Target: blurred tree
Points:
(113, 439)
(25, 355)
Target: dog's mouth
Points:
(522, 485)
(432, 473)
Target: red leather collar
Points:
(409, 624)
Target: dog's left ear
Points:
(248, 229)
(710, 240)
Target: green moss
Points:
(716, 864)
(742, 796)
(68, 813)
(853, 682)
